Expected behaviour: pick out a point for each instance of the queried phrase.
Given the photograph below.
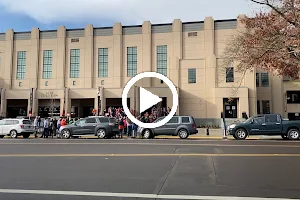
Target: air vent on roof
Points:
(75, 40)
(192, 34)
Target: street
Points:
(148, 169)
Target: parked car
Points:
(16, 127)
(94, 125)
(269, 124)
(183, 126)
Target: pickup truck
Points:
(269, 124)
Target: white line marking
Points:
(130, 195)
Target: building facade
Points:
(65, 70)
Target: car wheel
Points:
(293, 134)
(13, 134)
(183, 134)
(147, 134)
(284, 137)
(2, 136)
(240, 134)
(101, 133)
(26, 135)
(65, 133)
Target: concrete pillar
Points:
(102, 100)
(9, 55)
(210, 67)
(3, 103)
(35, 103)
(96, 103)
(61, 57)
(34, 53)
(62, 104)
(117, 55)
(147, 52)
(89, 56)
(67, 101)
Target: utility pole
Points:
(99, 102)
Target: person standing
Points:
(58, 126)
(121, 128)
(129, 126)
(36, 126)
(46, 128)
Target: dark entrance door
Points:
(230, 107)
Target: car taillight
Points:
(194, 126)
(111, 124)
(22, 126)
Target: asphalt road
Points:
(148, 169)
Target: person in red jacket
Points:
(63, 122)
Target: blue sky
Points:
(23, 15)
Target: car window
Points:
(9, 122)
(2, 122)
(91, 121)
(272, 118)
(80, 121)
(26, 122)
(112, 120)
(158, 119)
(16, 122)
(103, 120)
(185, 120)
(173, 120)
(259, 120)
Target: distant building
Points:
(64, 70)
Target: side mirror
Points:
(75, 124)
(252, 121)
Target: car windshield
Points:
(249, 120)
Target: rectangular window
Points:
(257, 79)
(192, 75)
(47, 64)
(229, 75)
(131, 61)
(103, 62)
(264, 80)
(75, 63)
(266, 107)
(293, 97)
(162, 59)
(258, 107)
(21, 64)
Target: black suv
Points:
(96, 125)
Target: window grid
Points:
(264, 80)
(131, 61)
(75, 63)
(257, 79)
(229, 75)
(103, 62)
(192, 75)
(47, 64)
(162, 59)
(21, 65)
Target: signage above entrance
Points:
(49, 95)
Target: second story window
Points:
(21, 64)
(103, 62)
(75, 63)
(229, 75)
(162, 59)
(257, 79)
(47, 64)
(266, 107)
(131, 61)
(293, 97)
(192, 75)
(264, 80)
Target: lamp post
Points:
(99, 102)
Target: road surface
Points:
(148, 169)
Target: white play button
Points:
(147, 99)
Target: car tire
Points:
(101, 133)
(13, 134)
(26, 135)
(65, 134)
(240, 134)
(183, 134)
(293, 134)
(285, 137)
(2, 136)
(147, 134)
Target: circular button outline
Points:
(138, 77)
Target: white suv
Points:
(16, 127)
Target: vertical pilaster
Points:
(210, 66)
(9, 57)
(89, 56)
(67, 101)
(34, 53)
(61, 57)
(117, 55)
(147, 52)
(102, 100)
(34, 103)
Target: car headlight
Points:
(232, 126)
